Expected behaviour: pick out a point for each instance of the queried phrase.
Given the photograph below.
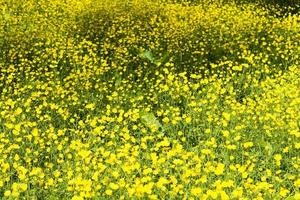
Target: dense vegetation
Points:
(149, 99)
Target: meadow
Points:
(149, 99)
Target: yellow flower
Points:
(212, 194)
(188, 119)
(223, 195)
(90, 106)
(7, 193)
(23, 186)
(283, 192)
(35, 132)
(297, 196)
(297, 183)
(18, 111)
(225, 133)
(237, 193)
(226, 116)
(219, 169)
(9, 125)
(166, 120)
(76, 197)
(277, 157)
(248, 144)
(109, 192)
(196, 191)
(148, 187)
(161, 182)
(15, 193)
(114, 186)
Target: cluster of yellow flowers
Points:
(148, 99)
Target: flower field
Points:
(148, 99)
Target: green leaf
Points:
(118, 81)
(148, 55)
(149, 120)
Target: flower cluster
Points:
(148, 99)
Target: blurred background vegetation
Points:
(279, 8)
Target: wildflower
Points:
(196, 191)
(219, 169)
(248, 144)
(109, 192)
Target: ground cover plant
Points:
(136, 99)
